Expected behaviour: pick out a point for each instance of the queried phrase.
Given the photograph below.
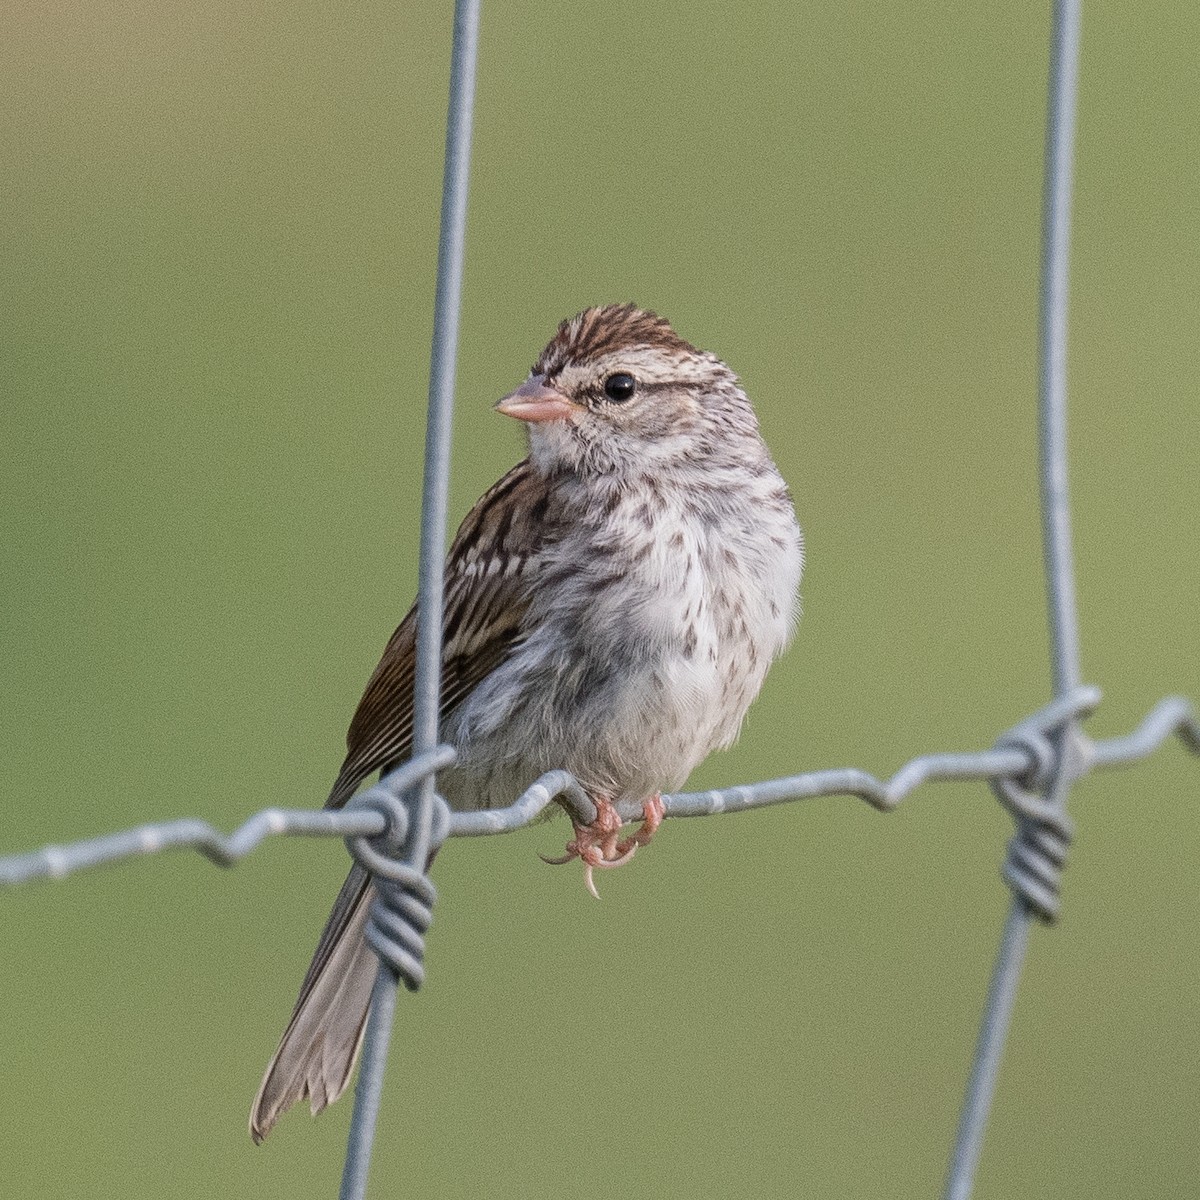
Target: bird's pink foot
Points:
(596, 845)
(653, 811)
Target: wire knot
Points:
(402, 910)
(1053, 751)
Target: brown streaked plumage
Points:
(612, 605)
(595, 332)
(482, 612)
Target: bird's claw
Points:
(558, 860)
(596, 845)
(653, 811)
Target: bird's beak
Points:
(535, 400)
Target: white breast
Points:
(649, 636)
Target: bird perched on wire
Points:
(611, 607)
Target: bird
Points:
(612, 605)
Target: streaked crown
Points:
(613, 328)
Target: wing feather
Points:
(486, 596)
(485, 600)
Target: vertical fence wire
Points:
(1052, 344)
(1060, 580)
(443, 357)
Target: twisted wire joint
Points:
(402, 910)
(1057, 755)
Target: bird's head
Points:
(618, 391)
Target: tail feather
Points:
(317, 1052)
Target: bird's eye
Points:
(620, 387)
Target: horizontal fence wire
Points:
(393, 827)
(373, 814)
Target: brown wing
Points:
(486, 580)
(486, 597)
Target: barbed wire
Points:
(392, 827)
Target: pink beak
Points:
(534, 400)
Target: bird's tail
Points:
(317, 1052)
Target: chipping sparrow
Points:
(612, 606)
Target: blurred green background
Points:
(221, 231)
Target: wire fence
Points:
(392, 827)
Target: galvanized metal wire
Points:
(368, 815)
(403, 906)
(1033, 847)
(394, 827)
